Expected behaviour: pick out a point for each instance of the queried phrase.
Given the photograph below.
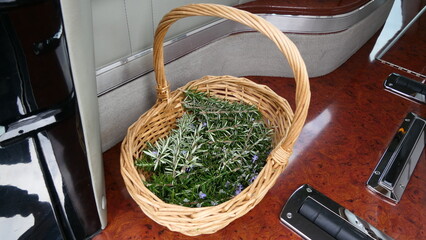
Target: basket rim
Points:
(277, 159)
(236, 206)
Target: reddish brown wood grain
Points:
(305, 7)
(351, 121)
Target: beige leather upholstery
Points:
(122, 28)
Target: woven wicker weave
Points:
(161, 118)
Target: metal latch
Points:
(314, 216)
(406, 87)
(392, 173)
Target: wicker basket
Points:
(161, 118)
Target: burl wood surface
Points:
(303, 7)
(351, 121)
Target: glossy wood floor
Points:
(350, 123)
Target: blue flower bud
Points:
(202, 195)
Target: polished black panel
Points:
(45, 184)
(48, 70)
(4, 4)
(26, 210)
(15, 98)
(63, 149)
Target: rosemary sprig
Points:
(217, 150)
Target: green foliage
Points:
(217, 150)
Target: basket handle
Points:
(285, 45)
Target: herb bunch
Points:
(217, 150)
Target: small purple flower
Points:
(254, 158)
(227, 184)
(202, 195)
(188, 169)
(204, 124)
(214, 203)
(239, 189)
(155, 153)
(252, 179)
(183, 152)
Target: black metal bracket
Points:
(406, 87)
(391, 175)
(314, 216)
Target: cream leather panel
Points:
(123, 28)
(110, 31)
(141, 28)
(161, 7)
